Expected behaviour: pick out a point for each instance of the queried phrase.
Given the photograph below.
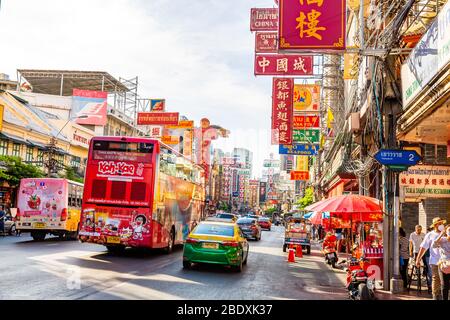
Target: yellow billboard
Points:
(307, 97)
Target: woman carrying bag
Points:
(443, 243)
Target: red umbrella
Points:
(350, 207)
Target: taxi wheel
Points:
(240, 267)
(187, 265)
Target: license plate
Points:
(208, 245)
(113, 239)
(39, 225)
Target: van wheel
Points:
(169, 247)
(308, 250)
(38, 235)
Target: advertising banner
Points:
(170, 140)
(307, 97)
(426, 181)
(183, 124)
(300, 175)
(188, 136)
(428, 58)
(264, 19)
(2, 110)
(312, 24)
(307, 136)
(302, 163)
(266, 42)
(282, 113)
(158, 105)
(351, 67)
(299, 149)
(283, 65)
(90, 104)
(306, 122)
(157, 118)
(262, 191)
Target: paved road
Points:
(50, 270)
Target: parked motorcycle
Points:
(359, 286)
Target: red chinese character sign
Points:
(312, 24)
(282, 110)
(283, 65)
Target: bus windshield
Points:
(122, 151)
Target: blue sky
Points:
(197, 54)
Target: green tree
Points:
(13, 170)
(269, 212)
(71, 174)
(307, 199)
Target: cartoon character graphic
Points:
(139, 227)
(126, 234)
(34, 202)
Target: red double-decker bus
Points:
(139, 193)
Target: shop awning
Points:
(38, 145)
(13, 138)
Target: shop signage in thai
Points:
(157, 118)
(306, 122)
(428, 58)
(299, 149)
(264, 19)
(426, 181)
(312, 25)
(266, 42)
(282, 110)
(397, 157)
(283, 65)
(306, 136)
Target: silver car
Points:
(9, 225)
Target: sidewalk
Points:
(413, 294)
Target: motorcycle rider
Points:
(330, 241)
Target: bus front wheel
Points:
(115, 249)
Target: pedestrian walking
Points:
(319, 232)
(2, 219)
(404, 256)
(415, 239)
(339, 236)
(438, 226)
(443, 244)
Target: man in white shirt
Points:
(437, 225)
(415, 240)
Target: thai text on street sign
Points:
(306, 135)
(425, 181)
(299, 149)
(306, 97)
(183, 124)
(157, 118)
(266, 42)
(306, 122)
(312, 24)
(282, 110)
(397, 157)
(283, 65)
(264, 19)
(300, 175)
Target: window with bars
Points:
(40, 157)
(29, 155)
(3, 147)
(75, 162)
(17, 148)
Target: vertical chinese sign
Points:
(312, 24)
(282, 111)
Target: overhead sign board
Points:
(266, 42)
(264, 19)
(425, 181)
(300, 175)
(307, 135)
(157, 118)
(283, 65)
(299, 149)
(397, 157)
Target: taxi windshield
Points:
(214, 230)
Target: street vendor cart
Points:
(298, 232)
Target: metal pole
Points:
(361, 24)
(386, 255)
(61, 90)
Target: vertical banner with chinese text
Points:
(282, 110)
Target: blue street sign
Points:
(300, 149)
(397, 157)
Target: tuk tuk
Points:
(298, 232)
